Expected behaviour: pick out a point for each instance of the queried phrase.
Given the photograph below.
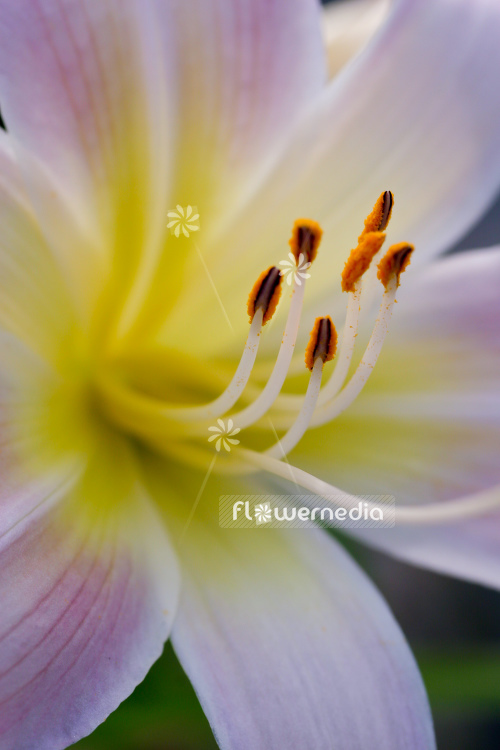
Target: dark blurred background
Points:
(453, 628)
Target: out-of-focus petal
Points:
(288, 645)
(468, 549)
(413, 114)
(84, 94)
(347, 26)
(247, 71)
(81, 88)
(34, 304)
(88, 589)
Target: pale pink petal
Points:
(87, 603)
(83, 89)
(467, 549)
(34, 303)
(247, 70)
(288, 644)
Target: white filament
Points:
(299, 427)
(266, 398)
(355, 385)
(287, 402)
(344, 357)
(451, 511)
(230, 396)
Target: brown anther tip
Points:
(305, 239)
(380, 216)
(322, 342)
(360, 258)
(265, 294)
(395, 262)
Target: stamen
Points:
(360, 258)
(305, 239)
(355, 385)
(357, 264)
(369, 243)
(394, 263)
(380, 216)
(339, 374)
(322, 342)
(451, 511)
(265, 294)
(262, 303)
(321, 349)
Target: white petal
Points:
(348, 26)
(288, 645)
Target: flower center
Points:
(189, 432)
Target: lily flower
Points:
(121, 344)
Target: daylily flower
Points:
(116, 353)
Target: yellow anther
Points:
(395, 261)
(360, 258)
(265, 294)
(380, 216)
(305, 239)
(322, 342)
